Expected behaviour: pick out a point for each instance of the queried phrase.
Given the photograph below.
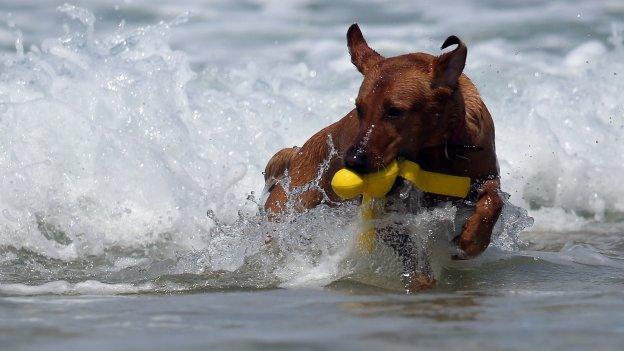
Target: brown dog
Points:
(416, 106)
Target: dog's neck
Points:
(451, 145)
(454, 134)
(457, 130)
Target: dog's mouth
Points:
(382, 161)
(371, 160)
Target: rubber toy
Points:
(374, 186)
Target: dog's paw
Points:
(457, 254)
(420, 282)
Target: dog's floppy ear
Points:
(448, 67)
(362, 56)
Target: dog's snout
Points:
(357, 161)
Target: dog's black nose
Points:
(357, 161)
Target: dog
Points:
(415, 106)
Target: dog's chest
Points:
(405, 198)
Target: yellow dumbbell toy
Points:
(374, 186)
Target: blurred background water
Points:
(123, 123)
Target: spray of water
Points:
(113, 149)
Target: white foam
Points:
(89, 287)
(572, 253)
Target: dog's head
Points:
(405, 103)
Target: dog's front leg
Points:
(477, 231)
(417, 272)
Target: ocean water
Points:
(133, 135)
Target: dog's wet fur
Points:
(415, 106)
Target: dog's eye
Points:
(394, 112)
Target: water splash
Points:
(114, 146)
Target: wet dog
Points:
(415, 106)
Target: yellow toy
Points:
(374, 186)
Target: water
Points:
(122, 125)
